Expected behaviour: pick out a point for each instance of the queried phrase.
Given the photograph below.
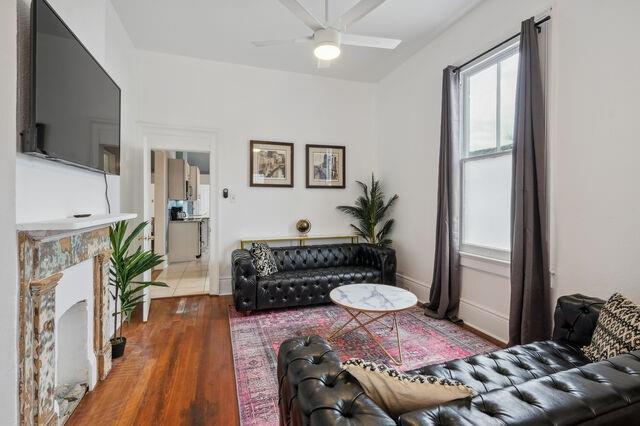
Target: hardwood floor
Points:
(177, 370)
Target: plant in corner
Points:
(125, 267)
(370, 211)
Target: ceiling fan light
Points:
(326, 51)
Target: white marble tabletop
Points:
(373, 297)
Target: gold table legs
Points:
(363, 325)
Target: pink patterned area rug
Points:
(256, 338)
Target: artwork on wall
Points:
(271, 164)
(326, 165)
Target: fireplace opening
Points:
(73, 366)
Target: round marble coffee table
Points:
(373, 301)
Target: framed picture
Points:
(271, 164)
(326, 166)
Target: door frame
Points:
(204, 140)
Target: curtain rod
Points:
(537, 24)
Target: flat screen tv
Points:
(75, 109)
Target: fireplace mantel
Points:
(75, 223)
(46, 249)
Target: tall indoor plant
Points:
(370, 211)
(126, 267)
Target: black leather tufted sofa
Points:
(543, 383)
(306, 275)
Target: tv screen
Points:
(75, 104)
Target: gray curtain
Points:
(444, 297)
(530, 316)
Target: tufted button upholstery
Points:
(306, 275)
(244, 280)
(575, 319)
(509, 366)
(542, 383)
(315, 391)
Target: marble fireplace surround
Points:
(46, 249)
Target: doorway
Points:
(192, 145)
(180, 188)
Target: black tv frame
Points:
(30, 135)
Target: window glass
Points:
(487, 202)
(508, 80)
(489, 100)
(482, 95)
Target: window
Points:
(488, 113)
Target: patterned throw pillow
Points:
(617, 331)
(398, 393)
(263, 259)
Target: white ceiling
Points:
(222, 30)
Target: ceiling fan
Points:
(328, 36)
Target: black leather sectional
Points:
(306, 275)
(543, 383)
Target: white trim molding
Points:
(485, 264)
(481, 318)
(420, 289)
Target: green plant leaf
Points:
(370, 210)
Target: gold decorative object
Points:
(303, 226)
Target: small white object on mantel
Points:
(75, 223)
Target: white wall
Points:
(64, 190)
(36, 189)
(593, 144)
(8, 260)
(243, 103)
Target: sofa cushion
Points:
(263, 259)
(617, 331)
(309, 286)
(510, 366)
(312, 257)
(602, 393)
(398, 393)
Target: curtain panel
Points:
(530, 306)
(444, 297)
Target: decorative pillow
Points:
(398, 393)
(263, 259)
(617, 330)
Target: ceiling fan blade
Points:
(323, 64)
(366, 41)
(357, 12)
(303, 14)
(267, 43)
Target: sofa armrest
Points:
(380, 258)
(244, 280)
(606, 392)
(314, 390)
(575, 319)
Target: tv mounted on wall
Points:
(75, 104)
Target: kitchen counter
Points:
(191, 219)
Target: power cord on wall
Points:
(106, 192)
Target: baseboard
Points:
(225, 286)
(420, 289)
(484, 321)
(499, 343)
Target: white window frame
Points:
(493, 58)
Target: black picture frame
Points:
(271, 182)
(330, 179)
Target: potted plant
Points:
(370, 211)
(125, 268)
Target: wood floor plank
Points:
(177, 369)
